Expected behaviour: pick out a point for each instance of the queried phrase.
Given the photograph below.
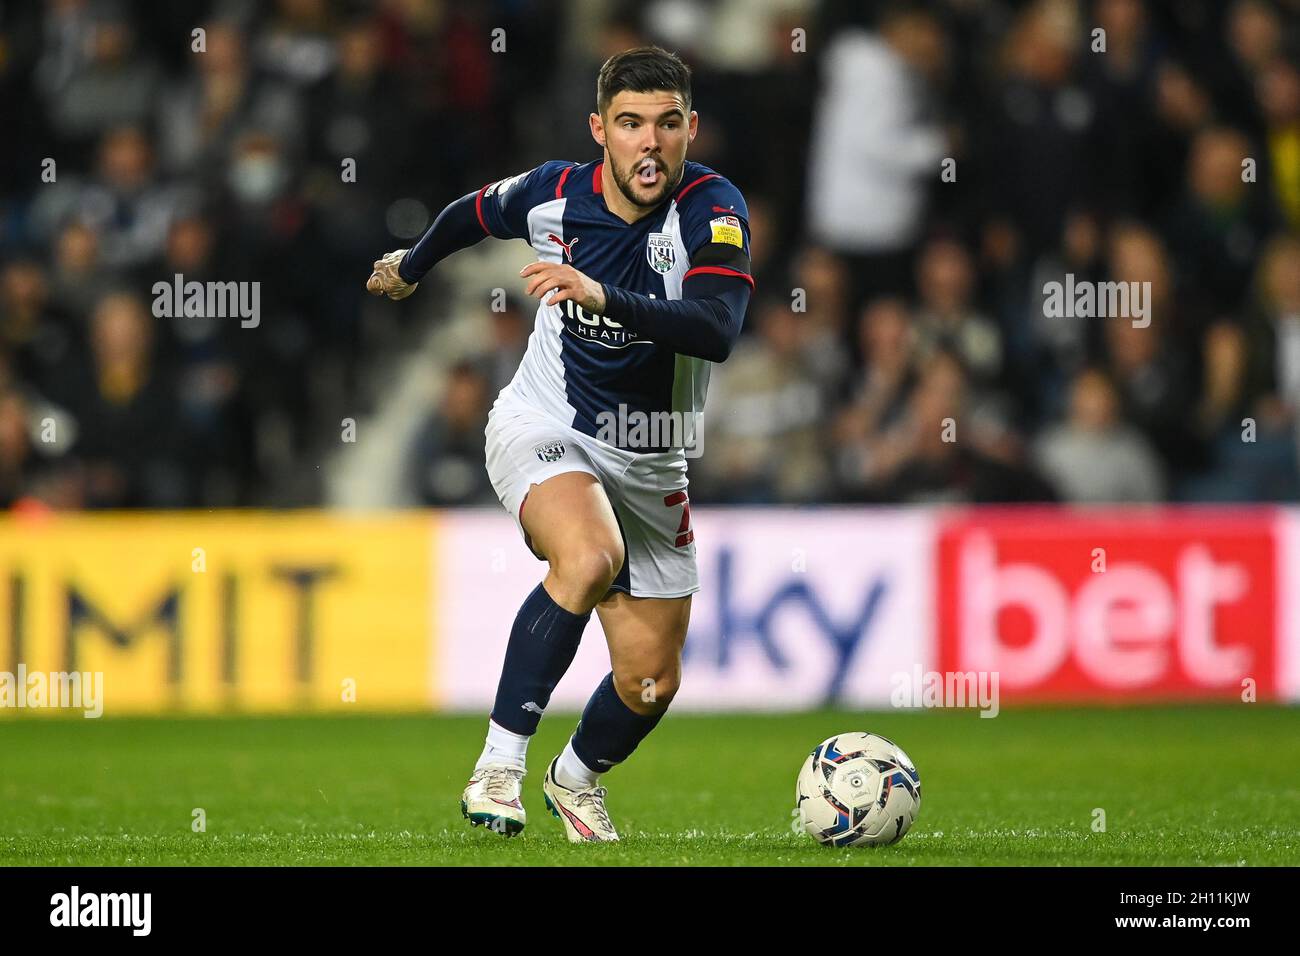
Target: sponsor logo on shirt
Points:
(598, 328)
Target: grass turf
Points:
(1179, 786)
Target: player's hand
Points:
(563, 282)
(385, 280)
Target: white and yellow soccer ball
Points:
(857, 789)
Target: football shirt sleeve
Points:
(503, 206)
(715, 230)
(457, 227)
(706, 321)
(499, 209)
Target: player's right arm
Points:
(499, 209)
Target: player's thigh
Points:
(546, 479)
(568, 516)
(645, 638)
(655, 517)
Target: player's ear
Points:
(597, 128)
(692, 126)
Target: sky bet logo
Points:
(103, 909)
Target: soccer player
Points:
(643, 279)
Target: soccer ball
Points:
(857, 789)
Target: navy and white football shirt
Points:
(578, 365)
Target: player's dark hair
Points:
(642, 70)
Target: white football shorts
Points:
(647, 491)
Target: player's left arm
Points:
(499, 210)
(706, 321)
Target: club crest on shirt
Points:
(549, 451)
(659, 252)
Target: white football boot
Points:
(581, 811)
(491, 799)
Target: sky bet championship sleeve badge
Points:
(660, 253)
(727, 229)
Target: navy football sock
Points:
(542, 644)
(609, 730)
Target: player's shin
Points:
(543, 641)
(607, 734)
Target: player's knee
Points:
(590, 568)
(648, 693)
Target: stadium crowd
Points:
(916, 174)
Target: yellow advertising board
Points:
(256, 611)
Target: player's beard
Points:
(625, 179)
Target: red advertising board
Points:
(1110, 605)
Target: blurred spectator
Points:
(1256, 378)
(95, 75)
(880, 395)
(124, 407)
(1118, 85)
(938, 452)
(79, 277)
(208, 357)
(1182, 107)
(220, 100)
(875, 146)
(1219, 225)
(127, 205)
(34, 336)
(1253, 34)
(1093, 457)
(1149, 364)
(1279, 96)
(297, 41)
(1037, 136)
(1048, 351)
(762, 432)
(946, 318)
(1273, 376)
(825, 285)
(509, 330)
(15, 449)
(447, 457)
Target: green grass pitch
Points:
(1212, 785)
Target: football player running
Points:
(643, 278)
